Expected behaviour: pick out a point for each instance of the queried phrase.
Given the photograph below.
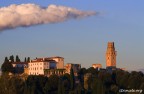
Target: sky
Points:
(80, 38)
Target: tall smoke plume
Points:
(31, 14)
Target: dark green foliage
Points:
(7, 66)
(92, 70)
(79, 89)
(47, 88)
(114, 88)
(4, 84)
(61, 88)
(13, 85)
(97, 86)
(142, 86)
(81, 73)
(66, 81)
(28, 59)
(72, 79)
(25, 60)
(114, 77)
(36, 85)
(66, 76)
(11, 58)
(101, 82)
(6, 59)
(53, 80)
(17, 85)
(17, 59)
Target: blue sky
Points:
(83, 40)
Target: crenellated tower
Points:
(111, 55)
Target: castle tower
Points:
(111, 55)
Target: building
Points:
(19, 64)
(59, 61)
(111, 55)
(97, 66)
(59, 72)
(75, 67)
(39, 66)
(19, 67)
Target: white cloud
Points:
(31, 14)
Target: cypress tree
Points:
(12, 58)
(63, 88)
(7, 66)
(17, 58)
(72, 80)
(6, 59)
(25, 60)
(98, 87)
(28, 59)
(60, 87)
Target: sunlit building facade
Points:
(39, 65)
(97, 66)
(75, 67)
(111, 55)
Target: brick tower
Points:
(111, 55)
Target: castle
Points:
(55, 65)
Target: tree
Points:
(16, 84)
(11, 85)
(6, 59)
(53, 79)
(46, 88)
(25, 60)
(61, 88)
(17, 58)
(28, 59)
(81, 74)
(7, 66)
(11, 58)
(92, 71)
(66, 81)
(98, 87)
(72, 79)
(142, 86)
(79, 89)
(4, 84)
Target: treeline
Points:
(7, 64)
(38, 84)
(98, 82)
(105, 82)
(16, 59)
